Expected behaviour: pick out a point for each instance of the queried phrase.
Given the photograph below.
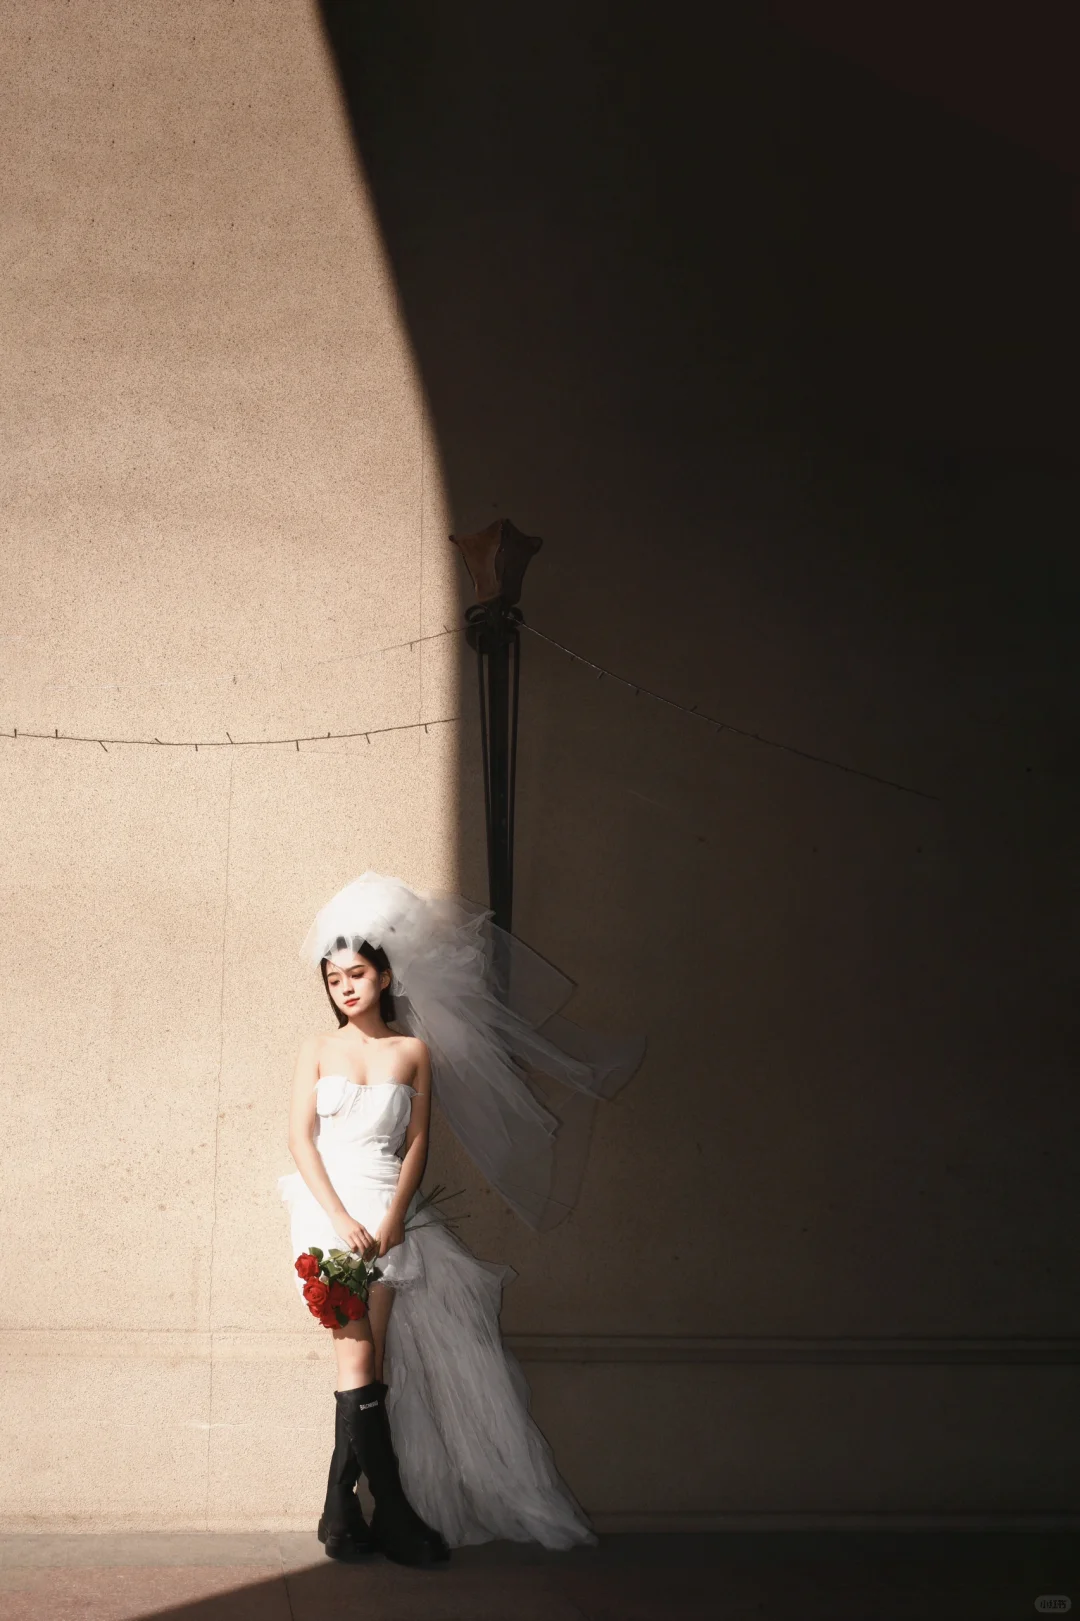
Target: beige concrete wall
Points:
(220, 499)
(817, 1271)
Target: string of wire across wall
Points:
(230, 742)
(368, 732)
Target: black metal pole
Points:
(492, 632)
(497, 558)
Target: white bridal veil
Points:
(487, 1006)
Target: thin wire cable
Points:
(456, 630)
(726, 726)
(232, 742)
(433, 636)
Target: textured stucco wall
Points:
(715, 327)
(219, 498)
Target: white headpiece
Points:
(486, 1005)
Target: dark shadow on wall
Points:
(615, 233)
(781, 363)
(704, 308)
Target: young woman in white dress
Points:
(445, 1439)
(367, 1054)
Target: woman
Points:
(449, 1450)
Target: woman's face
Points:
(355, 984)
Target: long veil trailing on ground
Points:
(487, 1006)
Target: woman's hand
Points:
(391, 1231)
(354, 1235)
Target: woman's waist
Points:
(362, 1161)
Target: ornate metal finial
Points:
(497, 558)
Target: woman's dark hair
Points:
(378, 959)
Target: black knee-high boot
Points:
(435, 1537)
(395, 1525)
(342, 1526)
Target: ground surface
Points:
(790, 1576)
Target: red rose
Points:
(328, 1319)
(307, 1266)
(339, 1294)
(354, 1308)
(316, 1293)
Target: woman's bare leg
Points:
(355, 1350)
(380, 1301)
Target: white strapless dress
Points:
(473, 1462)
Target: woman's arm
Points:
(306, 1156)
(414, 1159)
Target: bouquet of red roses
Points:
(336, 1285)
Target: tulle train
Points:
(473, 1462)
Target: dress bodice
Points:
(362, 1127)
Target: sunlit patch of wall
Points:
(221, 502)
